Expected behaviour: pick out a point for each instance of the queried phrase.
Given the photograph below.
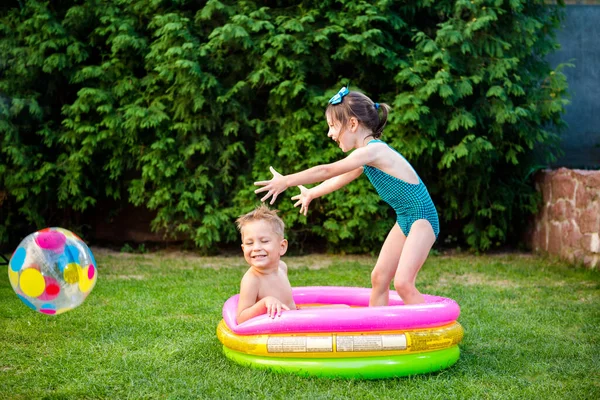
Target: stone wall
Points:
(568, 224)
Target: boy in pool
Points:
(265, 287)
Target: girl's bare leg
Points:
(416, 249)
(386, 266)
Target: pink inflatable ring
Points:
(436, 311)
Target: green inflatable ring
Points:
(358, 368)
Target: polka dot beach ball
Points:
(52, 271)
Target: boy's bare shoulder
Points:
(250, 277)
(283, 266)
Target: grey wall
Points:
(580, 45)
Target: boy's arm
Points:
(248, 307)
(247, 304)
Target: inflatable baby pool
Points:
(354, 342)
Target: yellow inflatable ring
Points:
(342, 344)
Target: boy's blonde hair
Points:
(262, 213)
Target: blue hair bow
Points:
(339, 96)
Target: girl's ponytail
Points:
(377, 132)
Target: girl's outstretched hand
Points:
(272, 187)
(304, 199)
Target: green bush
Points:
(179, 106)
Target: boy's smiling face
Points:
(262, 246)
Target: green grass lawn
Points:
(147, 331)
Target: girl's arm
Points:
(330, 185)
(335, 183)
(320, 173)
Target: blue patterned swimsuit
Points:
(410, 201)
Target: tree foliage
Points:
(179, 106)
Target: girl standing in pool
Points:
(356, 123)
